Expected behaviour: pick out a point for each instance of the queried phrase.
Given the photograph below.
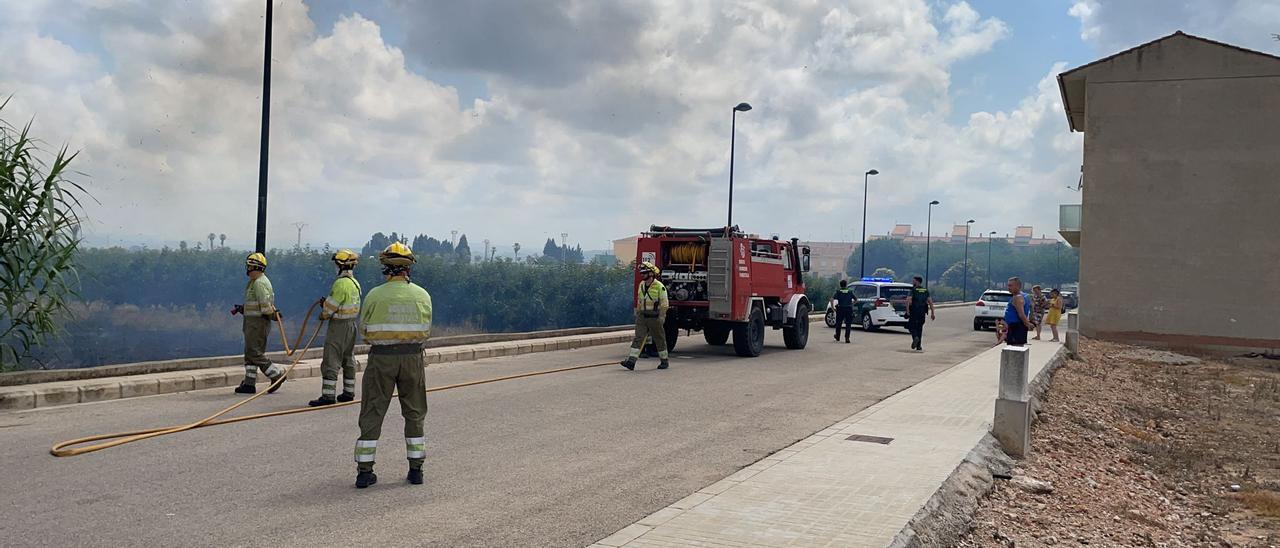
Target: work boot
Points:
(275, 386)
(846, 339)
(346, 397)
(322, 401)
(365, 479)
(629, 363)
(246, 388)
(415, 476)
(837, 336)
(665, 364)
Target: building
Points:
(1178, 230)
(829, 258)
(1023, 236)
(625, 249)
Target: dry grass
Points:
(1264, 503)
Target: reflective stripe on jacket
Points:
(259, 298)
(343, 302)
(397, 312)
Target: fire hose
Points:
(68, 448)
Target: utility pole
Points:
(261, 244)
(453, 238)
(299, 226)
(486, 249)
(968, 226)
(564, 246)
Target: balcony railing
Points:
(1069, 223)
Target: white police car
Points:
(879, 302)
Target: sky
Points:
(516, 121)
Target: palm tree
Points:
(212, 236)
(222, 239)
(516, 246)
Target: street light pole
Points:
(733, 134)
(928, 241)
(965, 292)
(261, 243)
(862, 268)
(990, 274)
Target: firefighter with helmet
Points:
(259, 309)
(396, 322)
(651, 314)
(342, 309)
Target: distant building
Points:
(625, 249)
(1022, 236)
(1178, 225)
(829, 258)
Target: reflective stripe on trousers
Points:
(415, 448)
(365, 450)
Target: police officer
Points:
(259, 310)
(651, 315)
(397, 321)
(342, 309)
(921, 302)
(844, 310)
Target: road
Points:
(554, 460)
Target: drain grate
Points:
(870, 439)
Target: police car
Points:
(879, 302)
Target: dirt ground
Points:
(1142, 452)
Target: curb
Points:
(32, 396)
(948, 514)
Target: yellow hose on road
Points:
(121, 438)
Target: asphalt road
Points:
(554, 460)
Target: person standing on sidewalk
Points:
(397, 321)
(259, 310)
(1055, 313)
(651, 315)
(921, 302)
(1039, 305)
(342, 309)
(844, 310)
(1017, 315)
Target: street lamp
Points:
(965, 292)
(990, 275)
(564, 245)
(928, 241)
(261, 243)
(863, 268)
(733, 133)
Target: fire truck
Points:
(725, 283)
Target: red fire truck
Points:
(725, 282)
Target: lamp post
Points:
(261, 243)
(928, 241)
(990, 275)
(733, 134)
(862, 269)
(964, 293)
(564, 246)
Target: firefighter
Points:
(397, 321)
(342, 309)
(651, 314)
(259, 310)
(844, 309)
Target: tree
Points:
(516, 247)
(463, 251)
(550, 249)
(182, 246)
(211, 237)
(885, 273)
(39, 233)
(222, 239)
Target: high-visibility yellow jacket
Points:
(259, 298)
(397, 312)
(652, 296)
(343, 302)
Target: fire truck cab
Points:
(725, 283)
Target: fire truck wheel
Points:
(715, 334)
(797, 336)
(748, 338)
(673, 333)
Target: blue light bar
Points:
(873, 279)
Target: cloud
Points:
(1115, 25)
(598, 119)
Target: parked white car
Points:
(990, 308)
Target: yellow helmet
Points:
(346, 259)
(256, 261)
(648, 267)
(397, 254)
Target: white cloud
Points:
(601, 122)
(1114, 25)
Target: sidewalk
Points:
(827, 490)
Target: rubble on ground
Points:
(1130, 449)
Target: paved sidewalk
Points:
(826, 490)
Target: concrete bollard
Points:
(1012, 424)
(1073, 333)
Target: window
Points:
(786, 259)
(893, 292)
(997, 297)
(864, 291)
